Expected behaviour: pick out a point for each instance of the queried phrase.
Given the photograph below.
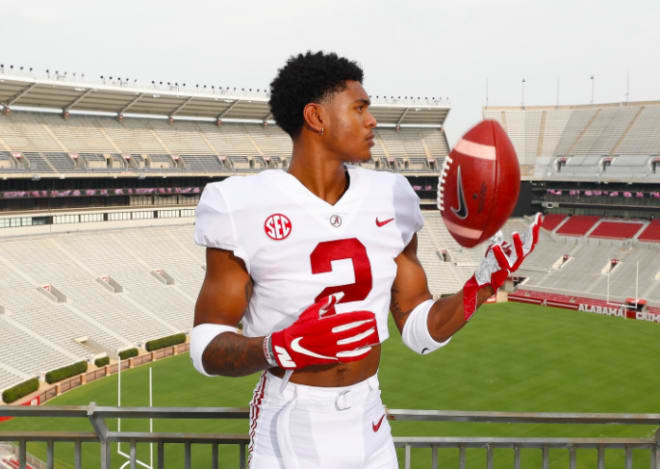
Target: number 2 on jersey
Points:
(326, 252)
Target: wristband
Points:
(415, 333)
(267, 347)
(200, 337)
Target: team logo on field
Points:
(277, 226)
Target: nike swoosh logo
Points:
(383, 223)
(462, 211)
(296, 347)
(376, 426)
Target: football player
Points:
(310, 261)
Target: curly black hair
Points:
(308, 78)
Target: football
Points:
(479, 184)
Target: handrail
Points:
(393, 414)
(97, 415)
(523, 417)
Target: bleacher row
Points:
(39, 142)
(94, 320)
(96, 163)
(596, 227)
(44, 334)
(562, 262)
(597, 130)
(610, 141)
(581, 267)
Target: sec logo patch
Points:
(277, 226)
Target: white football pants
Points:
(302, 427)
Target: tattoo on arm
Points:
(248, 290)
(232, 354)
(397, 312)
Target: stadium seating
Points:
(62, 162)
(586, 166)
(555, 122)
(642, 138)
(616, 230)
(628, 167)
(652, 232)
(37, 163)
(586, 273)
(7, 163)
(552, 220)
(30, 354)
(582, 136)
(203, 163)
(578, 225)
(77, 134)
(25, 132)
(129, 135)
(576, 125)
(47, 143)
(93, 320)
(270, 140)
(94, 161)
(605, 130)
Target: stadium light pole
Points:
(486, 91)
(608, 285)
(151, 420)
(593, 86)
(636, 285)
(522, 90)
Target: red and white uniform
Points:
(298, 248)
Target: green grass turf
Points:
(511, 357)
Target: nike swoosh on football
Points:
(376, 426)
(462, 211)
(296, 347)
(383, 223)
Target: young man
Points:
(310, 261)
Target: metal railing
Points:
(518, 443)
(102, 435)
(97, 416)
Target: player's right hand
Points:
(321, 336)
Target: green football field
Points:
(511, 357)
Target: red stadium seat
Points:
(578, 225)
(552, 220)
(651, 233)
(616, 230)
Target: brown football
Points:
(479, 184)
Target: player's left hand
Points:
(500, 260)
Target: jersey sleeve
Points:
(214, 223)
(408, 215)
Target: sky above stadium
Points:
(466, 50)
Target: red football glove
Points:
(499, 261)
(321, 336)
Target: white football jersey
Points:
(298, 248)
